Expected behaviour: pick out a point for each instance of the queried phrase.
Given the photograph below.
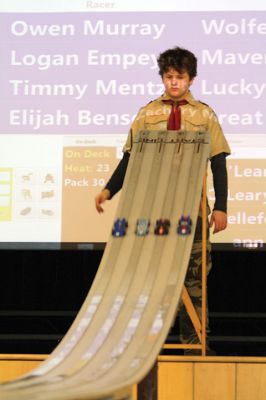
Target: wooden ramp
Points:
(125, 319)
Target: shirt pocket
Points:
(194, 124)
(156, 122)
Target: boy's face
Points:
(176, 83)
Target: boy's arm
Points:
(220, 183)
(114, 184)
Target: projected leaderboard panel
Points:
(71, 86)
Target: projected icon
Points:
(49, 213)
(27, 177)
(48, 194)
(26, 194)
(49, 178)
(25, 211)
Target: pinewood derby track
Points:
(125, 319)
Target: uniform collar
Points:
(188, 97)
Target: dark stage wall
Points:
(42, 290)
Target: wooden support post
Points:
(199, 326)
(204, 268)
(192, 312)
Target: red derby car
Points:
(162, 227)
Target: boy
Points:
(177, 109)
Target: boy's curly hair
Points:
(181, 60)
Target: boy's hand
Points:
(218, 221)
(100, 199)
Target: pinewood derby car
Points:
(162, 227)
(120, 227)
(184, 225)
(142, 227)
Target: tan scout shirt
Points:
(195, 117)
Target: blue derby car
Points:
(120, 227)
